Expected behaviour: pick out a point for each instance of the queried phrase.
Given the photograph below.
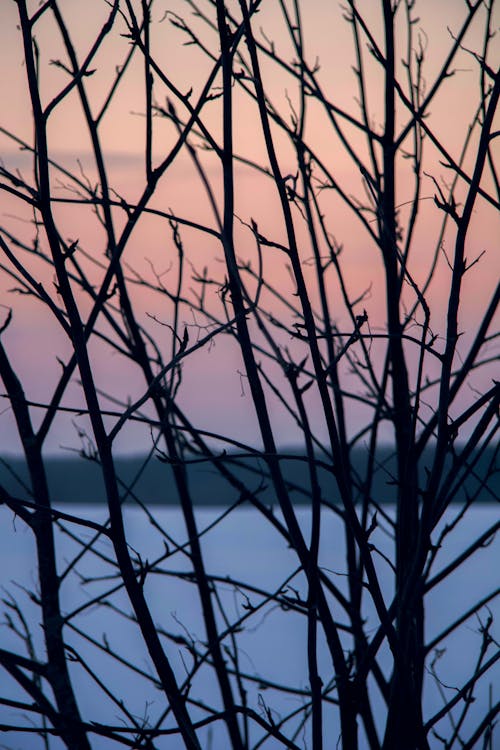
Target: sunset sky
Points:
(213, 389)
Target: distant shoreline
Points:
(76, 480)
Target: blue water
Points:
(244, 546)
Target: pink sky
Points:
(34, 338)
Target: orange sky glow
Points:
(214, 390)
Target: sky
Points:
(214, 390)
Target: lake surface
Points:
(246, 547)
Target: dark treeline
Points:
(73, 479)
